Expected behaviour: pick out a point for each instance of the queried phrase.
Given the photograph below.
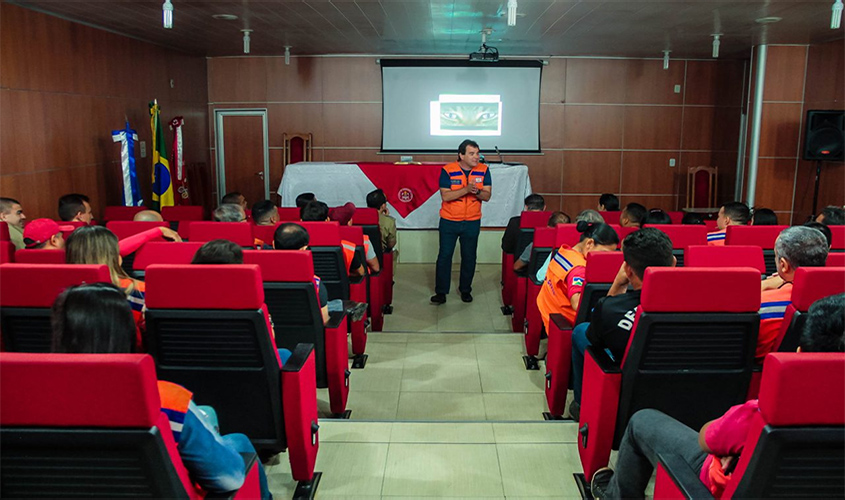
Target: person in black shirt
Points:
(613, 316)
(533, 203)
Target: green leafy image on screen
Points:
(469, 116)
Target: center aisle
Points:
(444, 407)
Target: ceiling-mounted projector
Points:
(485, 54)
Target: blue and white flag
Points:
(131, 190)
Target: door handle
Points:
(260, 174)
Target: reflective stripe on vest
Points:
(174, 403)
(466, 207)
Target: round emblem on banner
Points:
(406, 195)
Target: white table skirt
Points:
(338, 183)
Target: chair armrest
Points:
(354, 280)
(679, 480)
(250, 459)
(335, 319)
(560, 322)
(603, 361)
(298, 357)
(522, 273)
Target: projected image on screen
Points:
(458, 115)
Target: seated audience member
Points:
(733, 213)
(714, 451)
(304, 198)
(235, 198)
(291, 236)
(148, 216)
(386, 224)
(590, 216)
(533, 203)
(693, 219)
(229, 212)
(317, 211)
(633, 215)
(343, 216)
(657, 216)
(12, 214)
(613, 316)
(608, 202)
(264, 213)
(219, 252)
(824, 229)
(75, 208)
(95, 319)
(564, 281)
(832, 216)
(764, 217)
(524, 258)
(796, 246)
(98, 245)
(44, 234)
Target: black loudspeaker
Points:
(825, 139)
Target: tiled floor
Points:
(444, 408)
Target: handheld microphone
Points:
(501, 160)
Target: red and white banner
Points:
(412, 191)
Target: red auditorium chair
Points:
(726, 256)
(240, 233)
(91, 426)
(116, 212)
(360, 290)
(180, 217)
(288, 214)
(761, 236)
(75, 223)
(796, 444)
(4, 232)
(292, 303)
(602, 268)
(837, 242)
(367, 218)
(611, 217)
(208, 330)
(691, 356)
(682, 237)
(622, 232)
(163, 252)
(544, 244)
(809, 285)
(836, 259)
(126, 228)
(27, 292)
(710, 225)
(43, 256)
(528, 222)
(677, 217)
(7, 252)
(565, 234)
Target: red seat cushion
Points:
(813, 283)
(698, 289)
(231, 287)
(38, 285)
(803, 389)
(78, 390)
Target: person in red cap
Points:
(44, 234)
(343, 216)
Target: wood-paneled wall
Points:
(607, 125)
(798, 78)
(64, 87)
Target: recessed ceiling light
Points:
(768, 20)
(225, 17)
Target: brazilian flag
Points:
(162, 180)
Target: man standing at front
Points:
(464, 184)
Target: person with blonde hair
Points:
(98, 245)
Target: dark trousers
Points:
(650, 432)
(450, 232)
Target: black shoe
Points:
(438, 298)
(575, 411)
(466, 296)
(600, 482)
(356, 310)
